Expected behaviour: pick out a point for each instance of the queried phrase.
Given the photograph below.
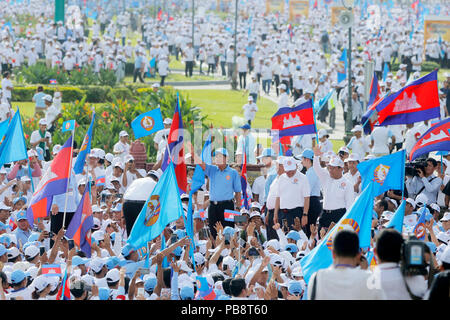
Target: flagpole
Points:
(315, 126)
(69, 178)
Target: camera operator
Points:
(425, 182)
(393, 282)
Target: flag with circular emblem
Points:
(147, 123)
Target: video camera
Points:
(412, 168)
(413, 261)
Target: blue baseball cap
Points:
(127, 249)
(187, 292)
(4, 239)
(246, 127)
(180, 233)
(267, 152)
(4, 226)
(150, 284)
(33, 237)
(2, 250)
(103, 293)
(40, 153)
(294, 235)
(223, 297)
(18, 199)
(21, 215)
(77, 260)
(308, 153)
(178, 251)
(18, 276)
(442, 153)
(228, 230)
(221, 151)
(292, 248)
(295, 287)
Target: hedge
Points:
(427, 66)
(94, 94)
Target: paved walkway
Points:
(338, 133)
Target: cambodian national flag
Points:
(204, 290)
(295, 121)
(100, 181)
(160, 14)
(415, 102)
(230, 214)
(53, 182)
(51, 270)
(175, 141)
(437, 138)
(80, 226)
(64, 290)
(12, 223)
(244, 181)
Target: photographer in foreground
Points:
(426, 182)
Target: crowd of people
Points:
(294, 201)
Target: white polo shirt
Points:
(292, 191)
(337, 193)
(273, 194)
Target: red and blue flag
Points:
(374, 91)
(175, 141)
(244, 181)
(64, 290)
(80, 226)
(437, 138)
(415, 102)
(230, 214)
(204, 290)
(294, 121)
(51, 270)
(85, 149)
(53, 182)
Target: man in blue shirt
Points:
(23, 230)
(139, 66)
(315, 207)
(224, 185)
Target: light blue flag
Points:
(385, 173)
(165, 263)
(358, 218)
(68, 125)
(342, 71)
(206, 151)
(3, 128)
(85, 149)
(322, 102)
(397, 219)
(13, 147)
(161, 208)
(419, 230)
(147, 123)
(385, 71)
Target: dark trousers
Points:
(189, 68)
(255, 97)
(315, 209)
(329, 216)
(277, 83)
(290, 215)
(243, 76)
(163, 78)
(271, 233)
(215, 214)
(222, 66)
(56, 222)
(137, 73)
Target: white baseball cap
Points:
(421, 199)
(357, 128)
(336, 162)
(289, 164)
(353, 157)
(446, 217)
(322, 133)
(167, 121)
(123, 133)
(411, 202)
(282, 86)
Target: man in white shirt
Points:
(292, 195)
(188, 54)
(338, 193)
(380, 141)
(284, 98)
(344, 280)
(250, 110)
(122, 148)
(7, 87)
(163, 69)
(393, 282)
(242, 67)
(358, 144)
(42, 138)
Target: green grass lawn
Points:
(173, 77)
(221, 105)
